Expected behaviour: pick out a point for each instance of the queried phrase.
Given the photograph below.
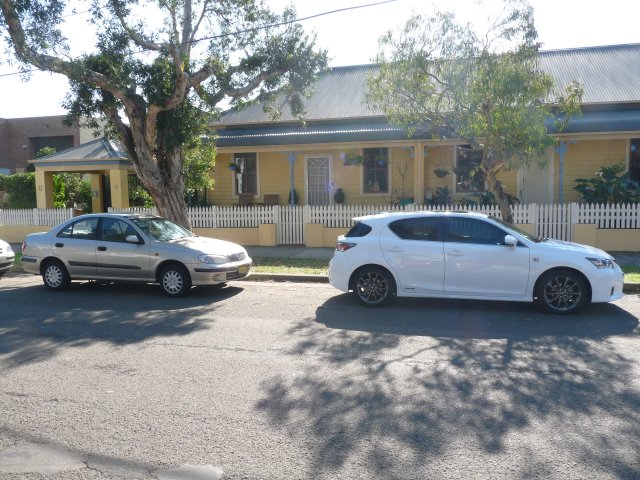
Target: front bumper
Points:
(202, 274)
(6, 262)
(606, 285)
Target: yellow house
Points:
(346, 146)
(347, 152)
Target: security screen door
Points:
(318, 180)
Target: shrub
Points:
(610, 185)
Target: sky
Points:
(351, 36)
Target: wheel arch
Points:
(51, 258)
(352, 277)
(585, 279)
(165, 263)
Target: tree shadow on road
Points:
(427, 385)
(37, 322)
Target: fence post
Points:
(36, 217)
(574, 217)
(532, 218)
(214, 216)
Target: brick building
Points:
(22, 138)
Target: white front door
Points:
(318, 177)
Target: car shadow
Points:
(473, 319)
(37, 322)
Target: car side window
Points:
(84, 229)
(115, 230)
(425, 229)
(470, 230)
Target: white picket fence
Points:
(35, 216)
(553, 221)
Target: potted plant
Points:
(338, 196)
(233, 166)
(440, 172)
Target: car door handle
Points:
(59, 245)
(395, 250)
(102, 249)
(456, 253)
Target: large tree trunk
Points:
(500, 195)
(158, 167)
(164, 179)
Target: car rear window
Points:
(358, 230)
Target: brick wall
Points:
(19, 138)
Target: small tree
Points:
(438, 77)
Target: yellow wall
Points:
(582, 160)
(16, 233)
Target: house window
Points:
(375, 168)
(634, 160)
(469, 177)
(246, 173)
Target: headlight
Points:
(213, 259)
(601, 262)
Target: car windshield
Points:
(520, 232)
(161, 229)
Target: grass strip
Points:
(631, 273)
(291, 266)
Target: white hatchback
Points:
(468, 256)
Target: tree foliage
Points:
(439, 77)
(159, 71)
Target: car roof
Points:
(118, 215)
(386, 217)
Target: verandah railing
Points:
(554, 221)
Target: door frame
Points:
(329, 158)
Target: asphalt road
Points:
(296, 381)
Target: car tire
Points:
(55, 276)
(562, 292)
(175, 281)
(374, 286)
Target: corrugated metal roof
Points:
(99, 149)
(609, 75)
(339, 93)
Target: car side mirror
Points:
(510, 241)
(132, 239)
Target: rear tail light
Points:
(344, 246)
(24, 247)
